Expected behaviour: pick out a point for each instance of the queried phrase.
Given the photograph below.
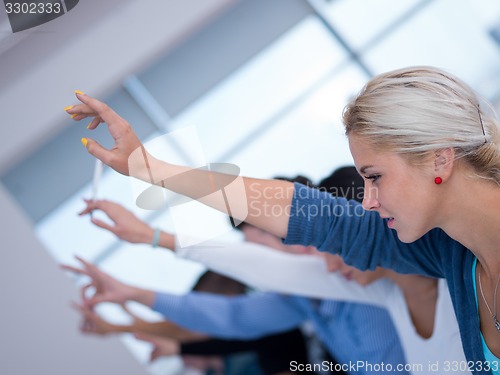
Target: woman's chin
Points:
(406, 236)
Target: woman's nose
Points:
(370, 198)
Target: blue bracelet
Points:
(156, 238)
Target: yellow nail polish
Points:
(74, 115)
(68, 107)
(84, 142)
(88, 126)
(79, 92)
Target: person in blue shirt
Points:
(361, 338)
(268, 355)
(429, 151)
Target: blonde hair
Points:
(418, 110)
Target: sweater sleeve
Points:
(361, 237)
(239, 317)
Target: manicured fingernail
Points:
(68, 107)
(74, 115)
(84, 141)
(88, 126)
(79, 92)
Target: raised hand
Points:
(93, 323)
(126, 141)
(128, 156)
(126, 225)
(107, 288)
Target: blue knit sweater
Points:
(363, 239)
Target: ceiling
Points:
(91, 48)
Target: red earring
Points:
(438, 180)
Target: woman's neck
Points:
(471, 216)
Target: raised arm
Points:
(263, 203)
(125, 225)
(107, 288)
(252, 264)
(218, 316)
(239, 317)
(93, 323)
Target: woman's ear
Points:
(443, 162)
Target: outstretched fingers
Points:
(88, 266)
(95, 149)
(103, 112)
(94, 205)
(83, 294)
(133, 315)
(94, 123)
(104, 225)
(89, 269)
(80, 111)
(73, 269)
(99, 205)
(126, 141)
(90, 206)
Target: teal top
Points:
(493, 360)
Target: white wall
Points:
(39, 330)
(91, 48)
